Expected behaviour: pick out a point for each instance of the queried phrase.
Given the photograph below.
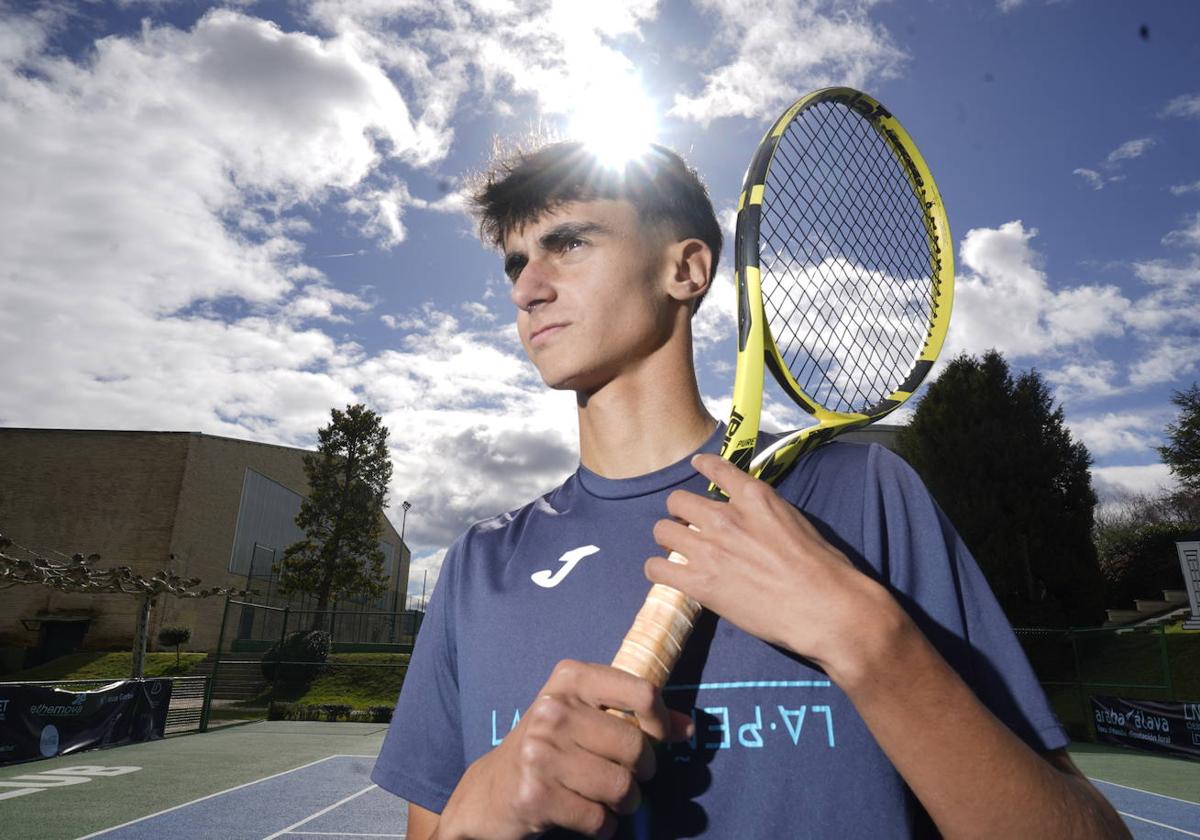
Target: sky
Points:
(231, 218)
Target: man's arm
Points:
(422, 824)
(974, 776)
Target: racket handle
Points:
(660, 630)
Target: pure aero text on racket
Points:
(844, 272)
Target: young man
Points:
(853, 676)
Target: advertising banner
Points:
(39, 722)
(1158, 726)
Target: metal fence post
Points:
(278, 662)
(1080, 694)
(212, 678)
(1166, 660)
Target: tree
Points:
(173, 636)
(996, 455)
(342, 517)
(1182, 452)
(79, 574)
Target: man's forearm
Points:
(974, 776)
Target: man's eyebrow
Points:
(552, 240)
(566, 231)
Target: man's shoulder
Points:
(846, 464)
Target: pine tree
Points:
(1182, 452)
(342, 517)
(995, 453)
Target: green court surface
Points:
(1176, 777)
(171, 772)
(261, 769)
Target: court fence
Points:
(359, 681)
(1075, 664)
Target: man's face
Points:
(589, 285)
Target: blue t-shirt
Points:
(779, 750)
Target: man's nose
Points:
(534, 285)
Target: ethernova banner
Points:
(40, 722)
(1155, 725)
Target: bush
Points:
(174, 636)
(279, 710)
(299, 659)
(380, 714)
(1139, 560)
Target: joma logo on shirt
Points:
(549, 579)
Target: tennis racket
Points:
(844, 272)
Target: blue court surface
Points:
(333, 798)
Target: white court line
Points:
(344, 834)
(1152, 793)
(1160, 825)
(218, 793)
(337, 804)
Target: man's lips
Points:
(544, 332)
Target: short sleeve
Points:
(422, 755)
(932, 573)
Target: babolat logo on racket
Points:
(863, 104)
(735, 423)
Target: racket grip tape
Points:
(660, 630)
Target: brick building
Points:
(224, 508)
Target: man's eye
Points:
(572, 244)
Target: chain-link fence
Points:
(1130, 662)
(359, 680)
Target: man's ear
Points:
(691, 261)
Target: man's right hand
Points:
(568, 763)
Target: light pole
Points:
(406, 504)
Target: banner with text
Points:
(39, 722)
(1171, 727)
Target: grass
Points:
(99, 665)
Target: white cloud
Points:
(1166, 360)
(1183, 189)
(1188, 235)
(1094, 179)
(1128, 431)
(1119, 482)
(1111, 165)
(1130, 149)
(716, 321)
(1083, 380)
(782, 48)
(1187, 105)
(423, 573)
(1003, 300)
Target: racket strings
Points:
(849, 280)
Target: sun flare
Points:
(617, 119)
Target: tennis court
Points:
(306, 780)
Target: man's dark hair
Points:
(519, 188)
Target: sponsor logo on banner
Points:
(49, 742)
(3, 708)
(75, 707)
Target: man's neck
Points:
(645, 420)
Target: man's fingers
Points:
(676, 537)
(605, 687)
(722, 473)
